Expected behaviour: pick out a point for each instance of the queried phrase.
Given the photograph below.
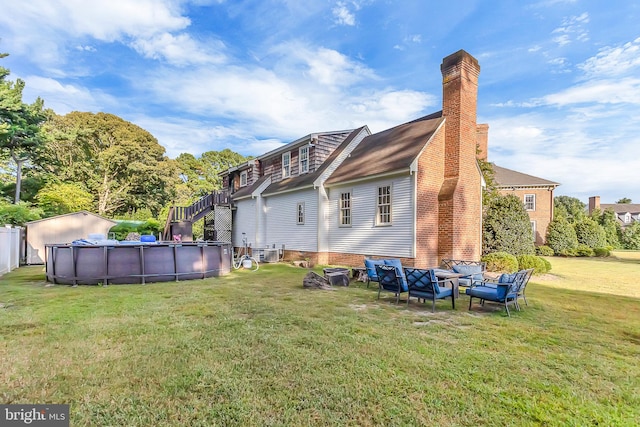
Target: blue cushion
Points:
(370, 264)
(475, 271)
(489, 293)
(399, 271)
(507, 278)
(444, 292)
(464, 281)
(421, 279)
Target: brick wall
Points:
(460, 196)
(482, 141)
(429, 181)
(543, 214)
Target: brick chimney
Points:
(594, 204)
(460, 197)
(482, 141)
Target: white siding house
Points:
(369, 194)
(292, 220)
(364, 235)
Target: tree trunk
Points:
(19, 163)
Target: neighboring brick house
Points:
(626, 213)
(536, 194)
(413, 191)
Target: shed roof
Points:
(72, 214)
(388, 151)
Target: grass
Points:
(255, 348)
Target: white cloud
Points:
(614, 61)
(625, 90)
(342, 15)
(179, 50)
(64, 98)
(203, 136)
(143, 24)
(571, 29)
(308, 89)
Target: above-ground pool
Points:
(136, 262)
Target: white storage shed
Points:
(62, 229)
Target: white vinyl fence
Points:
(10, 239)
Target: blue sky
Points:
(559, 82)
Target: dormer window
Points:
(627, 218)
(243, 179)
(303, 157)
(286, 165)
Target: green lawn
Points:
(255, 348)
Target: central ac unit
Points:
(270, 255)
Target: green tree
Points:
(611, 226)
(19, 125)
(561, 236)
(18, 213)
(624, 200)
(120, 163)
(490, 191)
(202, 175)
(590, 233)
(569, 208)
(507, 227)
(631, 237)
(61, 198)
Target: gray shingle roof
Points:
(307, 179)
(387, 151)
(509, 178)
(621, 208)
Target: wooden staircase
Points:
(190, 214)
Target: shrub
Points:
(62, 198)
(501, 262)
(561, 237)
(584, 250)
(602, 252)
(631, 236)
(590, 233)
(547, 264)
(18, 214)
(122, 230)
(544, 250)
(568, 252)
(532, 261)
(507, 227)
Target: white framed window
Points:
(300, 214)
(530, 202)
(627, 218)
(345, 209)
(286, 164)
(303, 159)
(533, 230)
(383, 205)
(243, 179)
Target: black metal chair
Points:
(423, 284)
(504, 291)
(390, 280)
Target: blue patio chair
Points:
(370, 265)
(504, 291)
(390, 280)
(522, 285)
(473, 274)
(423, 284)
